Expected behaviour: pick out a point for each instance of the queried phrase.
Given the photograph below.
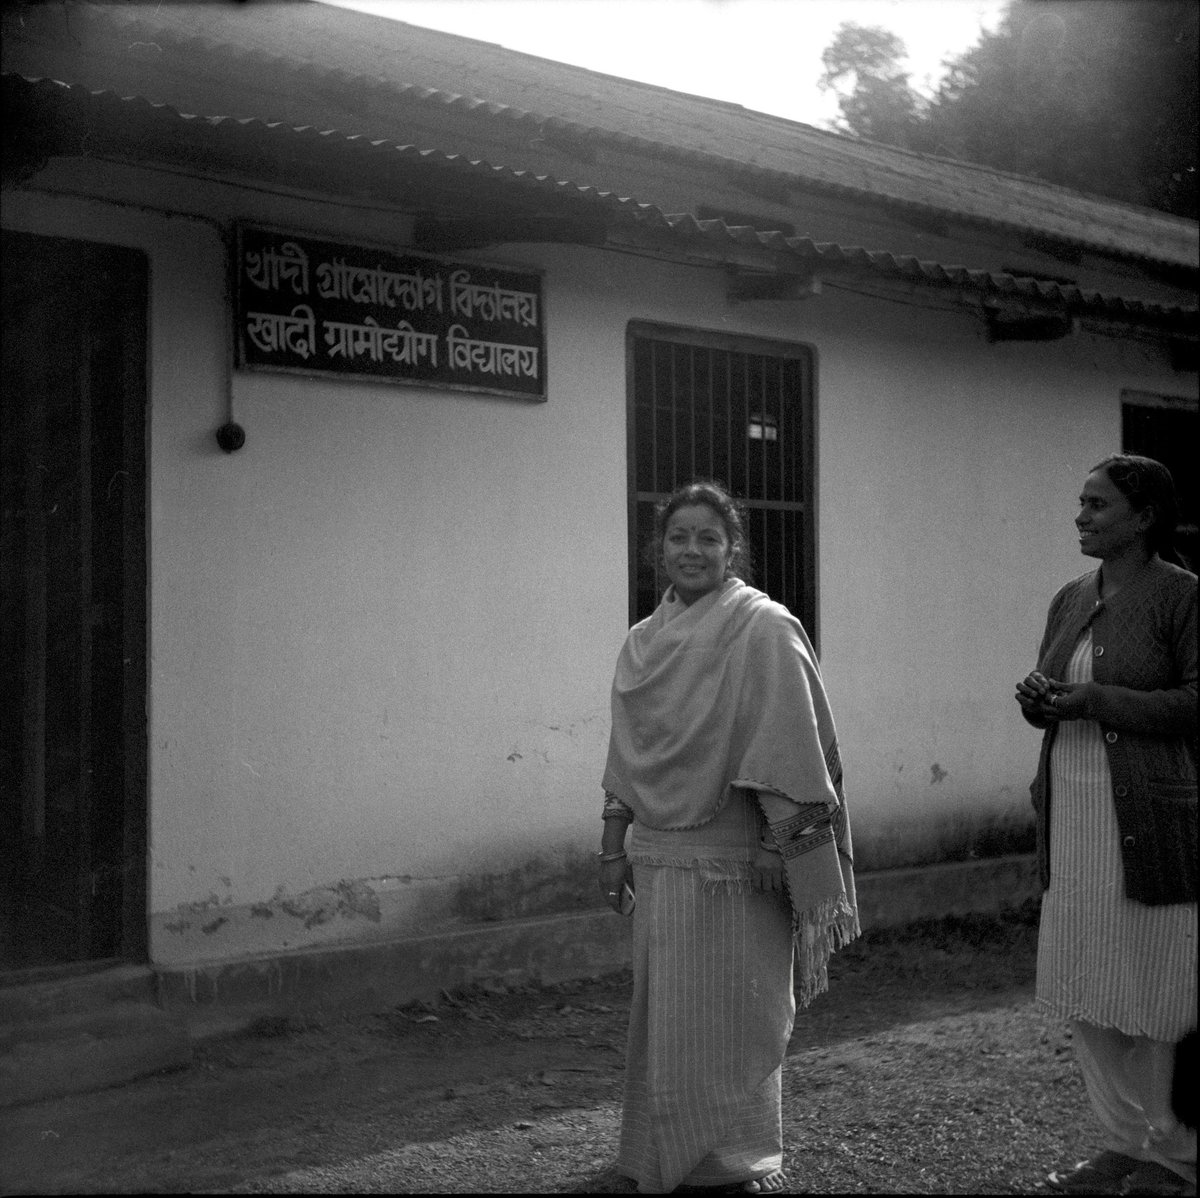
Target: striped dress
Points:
(1103, 958)
(712, 1009)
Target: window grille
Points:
(737, 410)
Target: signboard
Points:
(321, 307)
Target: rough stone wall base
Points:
(216, 998)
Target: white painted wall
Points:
(949, 475)
(382, 634)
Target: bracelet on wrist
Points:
(606, 857)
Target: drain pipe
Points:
(231, 436)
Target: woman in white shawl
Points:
(723, 758)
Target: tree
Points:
(1098, 95)
(876, 101)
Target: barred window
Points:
(737, 410)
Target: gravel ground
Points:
(925, 1070)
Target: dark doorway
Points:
(73, 619)
(1164, 427)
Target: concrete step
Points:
(71, 1035)
(31, 996)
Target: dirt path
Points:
(925, 1070)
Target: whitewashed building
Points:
(319, 709)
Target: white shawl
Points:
(727, 693)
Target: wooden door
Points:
(73, 742)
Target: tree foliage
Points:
(876, 101)
(1098, 95)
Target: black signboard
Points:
(320, 307)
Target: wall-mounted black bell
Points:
(231, 437)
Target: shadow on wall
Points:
(938, 838)
(562, 883)
(544, 885)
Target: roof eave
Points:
(458, 203)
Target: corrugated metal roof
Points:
(324, 64)
(133, 120)
(829, 258)
(103, 123)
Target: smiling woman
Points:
(1129, 512)
(1110, 527)
(723, 757)
(700, 534)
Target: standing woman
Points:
(1115, 797)
(724, 759)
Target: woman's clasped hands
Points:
(1044, 698)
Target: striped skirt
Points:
(1103, 958)
(711, 1017)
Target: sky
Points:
(762, 54)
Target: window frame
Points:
(806, 506)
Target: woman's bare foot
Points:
(773, 1183)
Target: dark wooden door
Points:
(73, 742)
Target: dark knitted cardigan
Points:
(1143, 695)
